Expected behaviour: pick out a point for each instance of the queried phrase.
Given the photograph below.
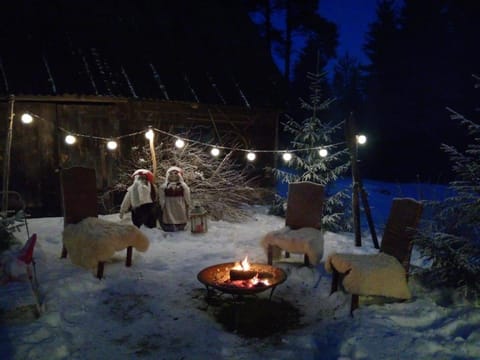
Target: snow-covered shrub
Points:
(221, 185)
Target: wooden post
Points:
(6, 158)
(357, 188)
(352, 145)
(151, 141)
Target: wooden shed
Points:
(38, 150)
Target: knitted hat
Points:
(147, 173)
(176, 168)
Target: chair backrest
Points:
(305, 205)
(79, 194)
(402, 222)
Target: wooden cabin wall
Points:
(39, 151)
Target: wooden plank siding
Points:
(38, 150)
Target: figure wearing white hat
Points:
(140, 199)
(174, 197)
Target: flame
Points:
(243, 265)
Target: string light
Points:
(287, 156)
(179, 143)
(27, 118)
(112, 145)
(215, 151)
(149, 134)
(251, 156)
(361, 139)
(323, 152)
(70, 139)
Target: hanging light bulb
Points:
(27, 118)
(287, 157)
(251, 156)
(323, 152)
(112, 145)
(179, 143)
(70, 139)
(149, 134)
(361, 139)
(215, 151)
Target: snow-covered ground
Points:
(157, 308)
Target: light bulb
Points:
(251, 156)
(70, 139)
(149, 134)
(361, 139)
(215, 151)
(112, 145)
(179, 143)
(287, 157)
(27, 118)
(323, 152)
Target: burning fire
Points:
(247, 282)
(243, 265)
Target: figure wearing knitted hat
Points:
(174, 197)
(141, 199)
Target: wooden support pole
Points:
(6, 157)
(358, 192)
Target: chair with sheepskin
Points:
(386, 273)
(302, 232)
(88, 240)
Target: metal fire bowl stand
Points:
(218, 276)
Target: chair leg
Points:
(306, 260)
(100, 267)
(335, 279)
(128, 262)
(354, 303)
(64, 253)
(269, 255)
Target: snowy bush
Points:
(221, 185)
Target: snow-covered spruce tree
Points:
(453, 240)
(308, 137)
(221, 185)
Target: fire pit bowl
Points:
(218, 277)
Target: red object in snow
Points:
(26, 253)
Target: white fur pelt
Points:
(93, 240)
(301, 241)
(373, 274)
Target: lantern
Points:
(198, 219)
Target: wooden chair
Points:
(79, 195)
(386, 273)
(303, 222)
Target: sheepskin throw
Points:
(93, 240)
(376, 274)
(306, 240)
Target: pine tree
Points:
(309, 137)
(453, 242)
